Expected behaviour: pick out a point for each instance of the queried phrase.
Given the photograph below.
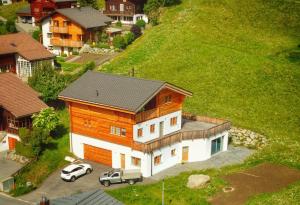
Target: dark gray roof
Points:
(113, 90)
(97, 197)
(87, 17)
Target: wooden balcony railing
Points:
(151, 114)
(57, 29)
(184, 135)
(66, 42)
(119, 13)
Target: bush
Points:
(119, 42)
(36, 34)
(141, 23)
(47, 81)
(119, 24)
(63, 55)
(11, 26)
(136, 31)
(24, 150)
(103, 45)
(129, 38)
(104, 37)
(75, 53)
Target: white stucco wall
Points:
(140, 16)
(147, 136)
(45, 31)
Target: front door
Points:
(216, 145)
(161, 128)
(122, 158)
(185, 154)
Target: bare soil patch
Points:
(263, 178)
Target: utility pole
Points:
(163, 192)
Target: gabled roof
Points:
(25, 10)
(24, 45)
(97, 197)
(87, 17)
(17, 97)
(125, 93)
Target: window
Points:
(152, 128)
(115, 175)
(112, 7)
(157, 160)
(168, 99)
(117, 131)
(121, 7)
(136, 161)
(49, 35)
(87, 123)
(140, 132)
(173, 152)
(173, 121)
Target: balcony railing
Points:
(184, 135)
(57, 29)
(153, 113)
(66, 42)
(119, 13)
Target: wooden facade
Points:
(10, 124)
(124, 8)
(8, 63)
(97, 122)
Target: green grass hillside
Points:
(241, 61)
(9, 11)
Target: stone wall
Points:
(247, 138)
(88, 49)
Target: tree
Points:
(141, 23)
(136, 31)
(11, 26)
(38, 139)
(47, 81)
(46, 119)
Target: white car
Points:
(73, 171)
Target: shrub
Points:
(63, 55)
(136, 31)
(11, 26)
(119, 42)
(119, 24)
(75, 53)
(47, 81)
(141, 23)
(24, 150)
(104, 37)
(36, 34)
(129, 38)
(102, 45)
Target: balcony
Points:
(118, 13)
(56, 29)
(66, 43)
(153, 113)
(195, 127)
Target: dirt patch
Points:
(260, 179)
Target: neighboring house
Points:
(126, 11)
(17, 104)
(134, 123)
(21, 54)
(7, 2)
(67, 30)
(39, 9)
(97, 197)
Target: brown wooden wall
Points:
(175, 104)
(96, 122)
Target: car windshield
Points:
(110, 172)
(65, 172)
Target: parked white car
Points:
(73, 171)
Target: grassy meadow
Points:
(236, 58)
(9, 11)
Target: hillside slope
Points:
(233, 55)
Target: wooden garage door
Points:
(99, 155)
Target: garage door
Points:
(99, 155)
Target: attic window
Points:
(167, 99)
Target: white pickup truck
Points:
(115, 176)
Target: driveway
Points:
(54, 186)
(6, 200)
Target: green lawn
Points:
(9, 11)
(234, 56)
(67, 66)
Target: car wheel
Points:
(106, 183)
(73, 178)
(88, 171)
(131, 182)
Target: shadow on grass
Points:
(59, 132)
(51, 146)
(57, 104)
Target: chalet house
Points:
(133, 123)
(39, 9)
(67, 30)
(17, 104)
(21, 54)
(126, 11)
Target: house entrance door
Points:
(122, 159)
(185, 154)
(161, 128)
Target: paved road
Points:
(5, 200)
